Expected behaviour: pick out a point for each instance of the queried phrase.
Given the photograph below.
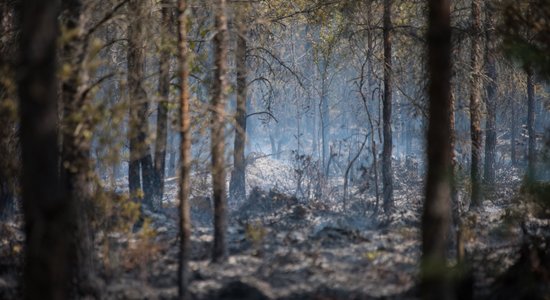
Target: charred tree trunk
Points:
(8, 135)
(162, 109)
(134, 177)
(491, 87)
(513, 130)
(387, 177)
(141, 162)
(48, 214)
(238, 178)
(173, 154)
(76, 146)
(370, 84)
(531, 148)
(185, 161)
(219, 98)
(324, 115)
(456, 226)
(436, 214)
(475, 107)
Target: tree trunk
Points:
(456, 221)
(475, 107)
(219, 98)
(8, 134)
(76, 146)
(173, 155)
(513, 130)
(531, 150)
(324, 114)
(436, 214)
(185, 161)
(162, 109)
(387, 176)
(141, 162)
(370, 92)
(48, 214)
(490, 125)
(238, 179)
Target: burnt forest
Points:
(274, 149)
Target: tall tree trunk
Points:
(238, 179)
(76, 146)
(491, 87)
(162, 109)
(48, 214)
(141, 162)
(8, 135)
(185, 161)
(475, 107)
(436, 214)
(531, 150)
(370, 92)
(324, 115)
(173, 154)
(387, 176)
(456, 226)
(219, 98)
(513, 130)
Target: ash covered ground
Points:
(283, 246)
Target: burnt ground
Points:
(284, 248)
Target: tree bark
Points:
(513, 130)
(324, 114)
(436, 214)
(185, 161)
(475, 107)
(531, 150)
(456, 226)
(370, 84)
(76, 146)
(141, 162)
(219, 98)
(387, 176)
(237, 185)
(48, 214)
(491, 87)
(162, 109)
(9, 162)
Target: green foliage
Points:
(526, 32)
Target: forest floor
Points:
(282, 248)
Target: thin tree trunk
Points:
(349, 168)
(162, 109)
(324, 114)
(456, 226)
(513, 130)
(490, 125)
(238, 178)
(370, 84)
(9, 162)
(531, 150)
(436, 214)
(387, 176)
(185, 161)
(475, 107)
(173, 154)
(48, 214)
(220, 87)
